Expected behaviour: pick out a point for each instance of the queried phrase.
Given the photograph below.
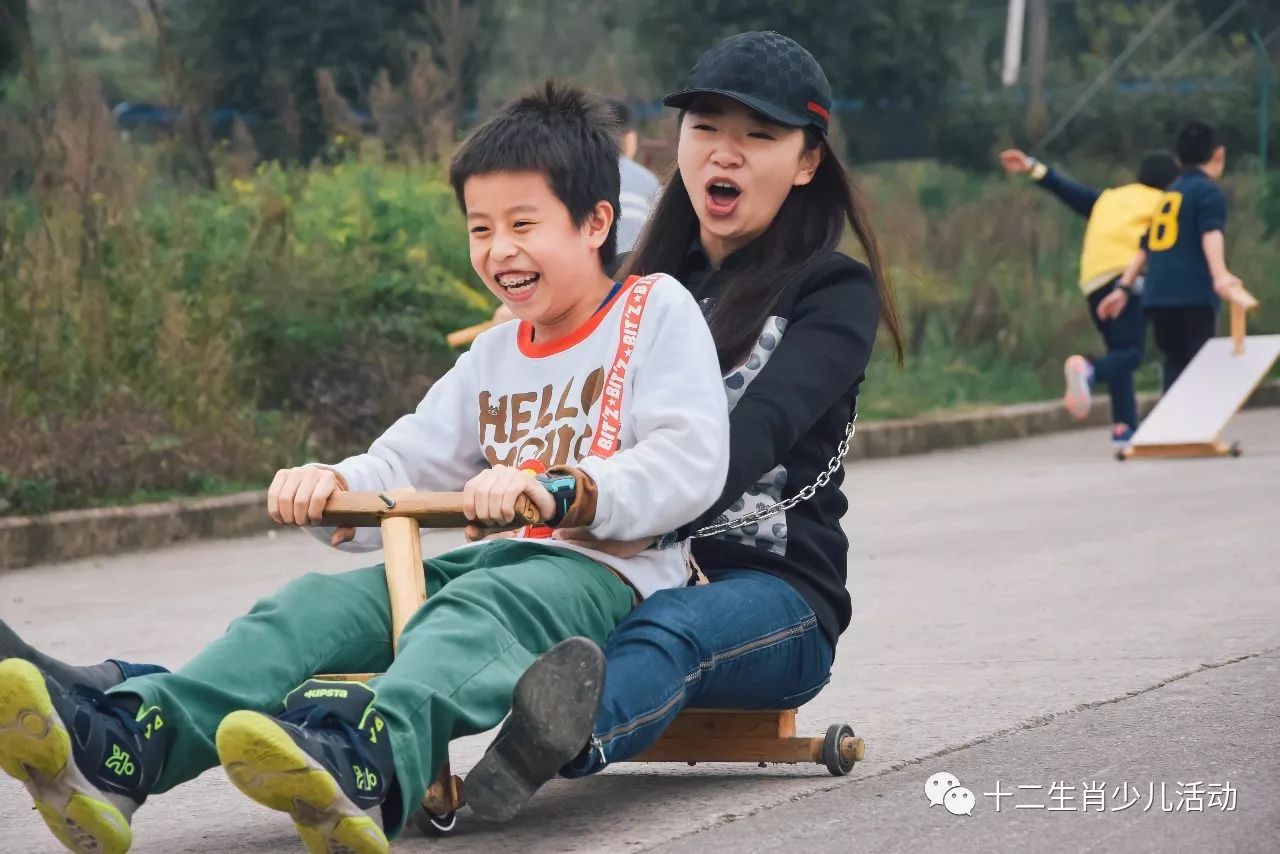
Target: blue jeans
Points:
(1126, 339)
(747, 640)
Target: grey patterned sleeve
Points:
(802, 366)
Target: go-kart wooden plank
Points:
(786, 750)
(1191, 449)
(445, 794)
(691, 749)
(724, 723)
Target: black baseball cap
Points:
(767, 72)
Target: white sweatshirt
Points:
(658, 453)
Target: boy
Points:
(1184, 254)
(614, 393)
(1118, 218)
(639, 192)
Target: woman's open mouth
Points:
(722, 196)
(519, 285)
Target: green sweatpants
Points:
(492, 609)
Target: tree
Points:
(15, 37)
(875, 52)
(890, 65)
(261, 57)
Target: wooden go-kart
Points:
(701, 735)
(1189, 418)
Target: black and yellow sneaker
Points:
(326, 761)
(88, 761)
(553, 709)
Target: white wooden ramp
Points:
(1190, 417)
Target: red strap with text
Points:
(604, 442)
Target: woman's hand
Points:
(618, 548)
(489, 499)
(297, 497)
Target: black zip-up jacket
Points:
(790, 403)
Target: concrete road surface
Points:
(1026, 614)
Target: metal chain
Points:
(782, 506)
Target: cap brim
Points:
(682, 99)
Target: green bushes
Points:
(154, 337)
(986, 270)
(157, 339)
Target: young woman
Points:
(750, 223)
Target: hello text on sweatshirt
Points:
(633, 398)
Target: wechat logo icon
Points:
(944, 789)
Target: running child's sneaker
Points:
(1121, 435)
(88, 761)
(326, 761)
(553, 710)
(1079, 377)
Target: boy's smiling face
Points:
(531, 255)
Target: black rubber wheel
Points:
(435, 825)
(1236, 450)
(831, 750)
(1121, 456)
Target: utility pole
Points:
(1012, 42)
(1037, 53)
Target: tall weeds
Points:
(987, 270)
(161, 332)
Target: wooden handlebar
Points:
(462, 337)
(433, 509)
(1242, 302)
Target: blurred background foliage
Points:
(226, 244)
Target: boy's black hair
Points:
(1158, 169)
(1196, 143)
(626, 121)
(565, 133)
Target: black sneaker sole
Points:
(553, 710)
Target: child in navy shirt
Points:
(1183, 250)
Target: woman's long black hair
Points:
(809, 225)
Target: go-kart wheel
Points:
(831, 755)
(1236, 450)
(435, 825)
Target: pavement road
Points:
(1027, 614)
